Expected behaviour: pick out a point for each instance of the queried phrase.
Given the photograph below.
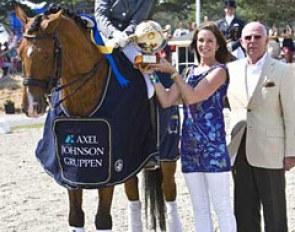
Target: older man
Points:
(261, 94)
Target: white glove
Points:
(120, 39)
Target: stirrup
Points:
(76, 229)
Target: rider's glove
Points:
(120, 39)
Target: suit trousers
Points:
(256, 187)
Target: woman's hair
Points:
(222, 54)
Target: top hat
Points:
(230, 3)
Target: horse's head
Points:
(39, 51)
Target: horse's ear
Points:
(21, 15)
(50, 24)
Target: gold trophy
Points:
(148, 39)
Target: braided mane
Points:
(53, 9)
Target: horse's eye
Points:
(43, 53)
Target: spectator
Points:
(180, 31)
(288, 44)
(231, 26)
(192, 26)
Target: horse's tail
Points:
(154, 200)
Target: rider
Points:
(231, 26)
(116, 20)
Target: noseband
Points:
(56, 66)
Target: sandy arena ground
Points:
(30, 201)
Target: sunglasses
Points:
(250, 37)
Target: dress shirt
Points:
(229, 19)
(253, 72)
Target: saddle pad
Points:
(83, 149)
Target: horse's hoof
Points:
(76, 229)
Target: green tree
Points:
(172, 11)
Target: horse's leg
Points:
(103, 218)
(134, 205)
(169, 190)
(76, 215)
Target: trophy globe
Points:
(149, 40)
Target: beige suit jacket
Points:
(268, 115)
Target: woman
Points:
(204, 155)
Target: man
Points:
(261, 96)
(231, 27)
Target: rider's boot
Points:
(76, 229)
(134, 216)
(173, 219)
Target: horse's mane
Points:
(54, 8)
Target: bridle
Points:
(56, 65)
(52, 84)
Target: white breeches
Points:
(217, 186)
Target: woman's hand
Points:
(164, 66)
(145, 69)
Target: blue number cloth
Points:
(203, 147)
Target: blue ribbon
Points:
(98, 40)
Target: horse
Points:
(63, 68)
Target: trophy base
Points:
(143, 60)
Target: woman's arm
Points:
(204, 89)
(168, 97)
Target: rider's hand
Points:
(120, 39)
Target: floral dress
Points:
(203, 144)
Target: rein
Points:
(52, 84)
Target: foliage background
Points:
(172, 11)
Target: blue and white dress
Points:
(203, 144)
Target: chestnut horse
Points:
(57, 51)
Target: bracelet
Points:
(154, 78)
(174, 75)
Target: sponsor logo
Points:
(118, 165)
